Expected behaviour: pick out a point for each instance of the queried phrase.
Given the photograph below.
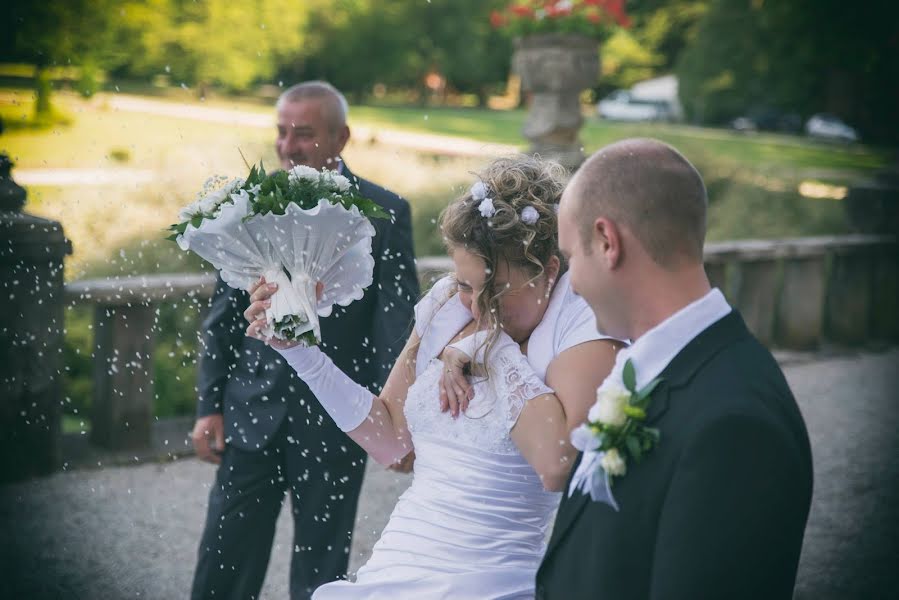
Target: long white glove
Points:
(346, 401)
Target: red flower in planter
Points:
(592, 18)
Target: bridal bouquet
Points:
(295, 228)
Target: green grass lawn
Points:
(767, 152)
(753, 180)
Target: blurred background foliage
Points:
(802, 56)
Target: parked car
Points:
(620, 105)
(830, 127)
(766, 119)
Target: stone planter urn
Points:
(555, 68)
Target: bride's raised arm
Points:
(376, 423)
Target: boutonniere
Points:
(614, 432)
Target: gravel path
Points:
(131, 532)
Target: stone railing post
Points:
(849, 293)
(124, 324)
(800, 310)
(122, 408)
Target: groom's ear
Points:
(607, 241)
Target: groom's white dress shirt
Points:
(653, 351)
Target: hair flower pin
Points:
(529, 215)
(486, 208)
(479, 192)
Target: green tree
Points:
(801, 56)
(357, 43)
(50, 34)
(660, 31)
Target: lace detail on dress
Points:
(492, 413)
(520, 383)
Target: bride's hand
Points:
(260, 299)
(455, 390)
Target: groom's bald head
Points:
(650, 188)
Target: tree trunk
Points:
(42, 90)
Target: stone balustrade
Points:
(793, 293)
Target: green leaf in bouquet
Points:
(279, 202)
(629, 376)
(251, 178)
(180, 228)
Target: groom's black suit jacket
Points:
(254, 388)
(718, 509)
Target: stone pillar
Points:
(757, 296)
(849, 295)
(122, 411)
(800, 310)
(32, 251)
(885, 301)
(555, 68)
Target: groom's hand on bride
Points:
(261, 293)
(208, 438)
(455, 390)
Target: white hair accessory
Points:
(479, 191)
(486, 207)
(529, 215)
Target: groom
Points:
(260, 423)
(718, 508)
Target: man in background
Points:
(260, 424)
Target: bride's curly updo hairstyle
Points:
(508, 216)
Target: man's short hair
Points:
(650, 188)
(336, 104)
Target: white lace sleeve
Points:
(518, 380)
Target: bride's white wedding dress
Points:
(474, 520)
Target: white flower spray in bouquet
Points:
(295, 228)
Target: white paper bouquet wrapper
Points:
(327, 243)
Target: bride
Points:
(474, 520)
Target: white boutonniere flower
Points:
(609, 407)
(614, 432)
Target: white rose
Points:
(303, 172)
(612, 463)
(342, 183)
(584, 439)
(609, 407)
